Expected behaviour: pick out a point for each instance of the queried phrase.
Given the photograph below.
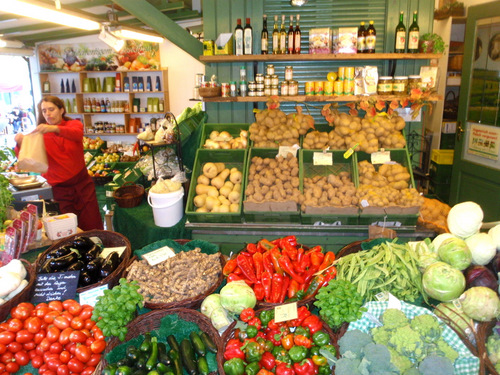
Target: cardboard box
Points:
(320, 41)
(224, 44)
(348, 40)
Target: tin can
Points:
(260, 93)
(328, 88)
(309, 88)
(233, 90)
(270, 70)
(348, 87)
(252, 86)
(274, 90)
(284, 88)
(208, 47)
(293, 88)
(243, 88)
(349, 72)
(267, 91)
(275, 80)
(259, 86)
(225, 90)
(288, 73)
(267, 80)
(259, 78)
(319, 89)
(338, 88)
(341, 73)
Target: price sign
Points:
(381, 157)
(108, 250)
(159, 255)
(55, 286)
(285, 150)
(322, 158)
(89, 297)
(285, 312)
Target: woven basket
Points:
(24, 296)
(109, 239)
(129, 195)
(152, 320)
(351, 248)
(210, 92)
(484, 330)
(229, 334)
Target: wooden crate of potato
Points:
(216, 188)
(329, 191)
(272, 190)
(225, 136)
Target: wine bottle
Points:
(413, 34)
(67, 86)
(291, 37)
(62, 85)
(361, 38)
(46, 86)
(400, 41)
(73, 86)
(282, 36)
(264, 36)
(238, 38)
(297, 36)
(248, 38)
(276, 37)
(371, 38)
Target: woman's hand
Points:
(44, 128)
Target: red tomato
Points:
(50, 316)
(39, 336)
(41, 306)
(4, 326)
(56, 348)
(77, 323)
(7, 357)
(89, 341)
(33, 324)
(77, 336)
(71, 347)
(28, 373)
(32, 354)
(29, 346)
(83, 353)
(64, 336)
(89, 324)
(3, 348)
(41, 310)
(94, 360)
(12, 367)
(22, 311)
(24, 336)
(75, 365)
(98, 335)
(86, 313)
(48, 356)
(61, 322)
(15, 325)
(73, 307)
(50, 372)
(98, 346)
(53, 334)
(39, 351)
(22, 358)
(53, 363)
(44, 344)
(15, 347)
(2, 367)
(65, 356)
(56, 305)
(63, 370)
(43, 368)
(89, 370)
(7, 337)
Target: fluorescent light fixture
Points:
(130, 34)
(34, 10)
(11, 43)
(111, 40)
(17, 51)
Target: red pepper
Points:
(287, 341)
(310, 273)
(274, 336)
(287, 266)
(277, 285)
(302, 314)
(251, 248)
(296, 264)
(314, 286)
(255, 322)
(232, 277)
(237, 271)
(301, 340)
(259, 291)
(284, 288)
(292, 240)
(267, 284)
(268, 361)
(258, 264)
(293, 288)
(284, 369)
(265, 245)
(261, 335)
(247, 314)
(315, 249)
(330, 274)
(305, 263)
(275, 255)
(246, 267)
(313, 323)
(306, 367)
(317, 259)
(273, 325)
(267, 262)
(233, 350)
(288, 249)
(263, 371)
(327, 261)
(229, 266)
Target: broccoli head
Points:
(428, 327)
(493, 346)
(381, 335)
(347, 366)
(446, 350)
(411, 371)
(401, 362)
(354, 341)
(377, 359)
(394, 318)
(408, 343)
(432, 365)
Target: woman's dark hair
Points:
(59, 103)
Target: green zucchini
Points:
(209, 344)
(198, 345)
(188, 358)
(174, 345)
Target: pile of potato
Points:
(433, 215)
(389, 186)
(273, 128)
(322, 140)
(218, 189)
(332, 191)
(224, 140)
(273, 179)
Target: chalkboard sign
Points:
(55, 286)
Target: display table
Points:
(137, 224)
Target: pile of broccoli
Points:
(400, 346)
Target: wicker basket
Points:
(210, 92)
(24, 296)
(484, 330)
(129, 195)
(152, 320)
(109, 239)
(351, 248)
(229, 334)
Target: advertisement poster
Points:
(484, 141)
(98, 56)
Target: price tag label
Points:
(381, 157)
(322, 158)
(88, 154)
(285, 312)
(108, 250)
(90, 296)
(159, 255)
(285, 150)
(364, 203)
(91, 164)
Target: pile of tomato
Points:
(58, 338)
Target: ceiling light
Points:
(11, 43)
(111, 40)
(130, 34)
(33, 10)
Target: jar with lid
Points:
(288, 73)
(267, 91)
(293, 87)
(270, 70)
(267, 80)
(275, 80)
(259, 86)
(274, 90)
(243, 88)
(384, 86)
(400, 85)
(252, 86)
(259, 92)
(284, 88)
(233, 90)
(259, 78)
(414, 82)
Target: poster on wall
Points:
(136, 55)
(484, 141)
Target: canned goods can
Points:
(319, 89)
(293, 88)
(341, 73)
(259, 86)
(348, 87)
(252, 86)
(259, 78)
(267, 80)
(225, 89)
(208, 47)
(270, 70)
(349, 72)
(338, 88)
(259, 93)
(243, 88)
(288, 73)
(267, 91)
(309, 88)
(328, 88)
(274, 90)
(284, 88)
(275, 81)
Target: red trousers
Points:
(77, 195)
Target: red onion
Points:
(480, 276)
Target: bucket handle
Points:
(168, 205)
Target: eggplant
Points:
(58, 264)
(83, 244)
(77, 266)
(91, 254)
(86, 279)
(94, 266)
(110, 264)
(45, 268)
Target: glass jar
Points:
(293, 88)
(288, 73)
(267, 80)
(414, 82)
(259, 78)
(400, 85)
(267, 91)
(260, 92)
(252, 86)
(284, 88)
(233, 90)
(270, 70)
(384, 86)
(274, 90)
(259, 86)
(275, 80)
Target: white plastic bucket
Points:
(167, 208)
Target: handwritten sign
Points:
(108, 250)
(55, 286)
(158, 256)
(322, 158)
(285, 312)
(381, 157)
(89, 297)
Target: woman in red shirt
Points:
(71, 184)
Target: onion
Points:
(480, 276)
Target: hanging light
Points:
(11, 43)
(123, 33)
(111, 40)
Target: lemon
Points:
(332, 76)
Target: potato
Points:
(210, 170)
(201, 209)
(218, 181)
(211, 203)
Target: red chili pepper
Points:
(327, 261)
(291, 251)
(284, 369)
(246, 267)
(276, 242)
(247, 314)
(259, 291)
(267, 284)
(258, 264)
(251, 248)
(277, 285)
(315, 249)
(330, 273)
(275, 255)
(267, 262)
(292, 240)
(293, 288)
(310, 273)
(317, 259)
(265, 245)
(287, 266)
(302, 314)
(232, 277)
(306, 367)
(237, 271)
(313, 323)
(301, 340)
(284, 288)
(268, 361)
(305, 263)
(255, 322)
(229, 267)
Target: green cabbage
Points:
(465, 219)
(455, 317)
(456, 253)
(236, 296)
(482, 248)
(480, 303)
(443, 282)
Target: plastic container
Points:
(233, 129)
(442, 156)
(167, 208)
(60, 226)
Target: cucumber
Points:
(198, 345)
(209, 344)
(174, 345)
(188, 358)
(202, 366)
